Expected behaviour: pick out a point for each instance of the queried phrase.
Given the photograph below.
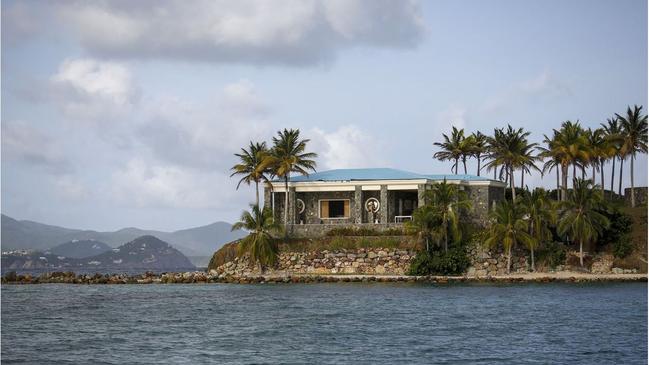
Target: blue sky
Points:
(117, 115)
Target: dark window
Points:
(336, 209)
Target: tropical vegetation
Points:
(258, 163)
(580, 211)
(580, 215)
(438, 221)
(260, 243)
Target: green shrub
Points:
(393, 232)
(617, 234)
(622, 248)
(363, 231)
(453, 262)
(551, 254)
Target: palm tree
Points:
(451, 148)
(600, 148)
(259, 243)
(526, 160)
(613, 135)
(448, 201)
(508, 227)
(509, 149)
(467, 149)
(539, 214)
(568, 147)
(579, 215)
(553, 162)
(634, 126)
(252, 165)
(425, 224)
(495, 144)
(480, 143)
(288, 156)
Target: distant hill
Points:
(79, 249)
(146, 252)
(199, 241)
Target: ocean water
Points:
(375, 323)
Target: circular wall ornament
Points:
(299, 203)
(372, 205)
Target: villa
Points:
(379, 198)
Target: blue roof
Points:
(378, 174)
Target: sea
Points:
(327, 323)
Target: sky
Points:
(120, 113)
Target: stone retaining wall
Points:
(383, 261)
(640, 196)
(486, 262)
(367, 261)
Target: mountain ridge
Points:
(144, 253)
(196, 241)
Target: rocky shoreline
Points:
(201, 277)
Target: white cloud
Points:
(346, 147)
(22, 22)
(205, 136)
(91, 89)
(289, 32)
(70, 188)
(544, 85)
(149, 184)
(24, 143)
(453, 116)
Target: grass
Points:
(348, 243)
(363, 231)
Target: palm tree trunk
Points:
(558, 183)
(464, 163)
(522, 178)
(495, 171)
(532, 254)
(601, 170)
(511, 182)
(581, 252)
(457, 162)
(632, 187)
(445, 234)
(506, 179)
(619, 187)
(613, 177)
(509, 259)
(478, 164)
(564, 194)
(257, 191)
(286, 200)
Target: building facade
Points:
(378, 198)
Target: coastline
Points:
(201, 277)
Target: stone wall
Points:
(485, 262)
(369, 261)
(640, 196)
